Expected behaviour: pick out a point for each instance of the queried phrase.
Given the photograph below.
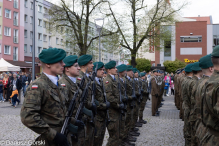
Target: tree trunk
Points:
(133, 60)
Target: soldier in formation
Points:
(76, 109)
(198, 101)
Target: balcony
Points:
(15, 39)
(15, 4)
(15, 57)
(16, 22)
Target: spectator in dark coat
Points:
(14, 81)
(24, 79)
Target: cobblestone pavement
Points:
(165, 130)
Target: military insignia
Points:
(79, 79)
(63, 85)
(34, 86)
(107, 82)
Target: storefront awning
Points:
(22, 64)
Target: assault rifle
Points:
(107, 111)
(125, 94)
(120, 96)
(92, 78)
(133, 93)
(139, 92)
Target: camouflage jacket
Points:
(186, 100)
(144, 88)
(112, 94)
(70, 88)
(175, 83)
(191, 85)
(180, 81)
(44, 107)
(101, 108)
(87, 101)
(210, 102)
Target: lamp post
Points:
(99, 25)
(33, 51)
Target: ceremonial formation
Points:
(77, 108)
(196, 88)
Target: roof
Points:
(205, 18)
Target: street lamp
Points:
(99, 25)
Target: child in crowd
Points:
(172, 88)
(1, 91)
(14, 96)
(25, 87)
(166, 88)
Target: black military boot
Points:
(142, 121)
(138, 124)
(132, 133)
(135, 129)
(132, 139)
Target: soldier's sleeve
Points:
(216, 106)
(110, 95)
(30, 112)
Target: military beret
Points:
(129, 67)
(84, 59)
(215, 52)
(134, 70)
(110, 64)
(155, 70)
(70, 60)
(52, 55)
(205, 62)
(196, 67)
(142, 74)
(121, 68)
(100, 65)
(138, 71)
(188, 67)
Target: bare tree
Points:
(133, 33)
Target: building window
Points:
(25, 48)
(7, 49)
(45, 38)
(15, 54)
(31, 5)
(31, 19)
(39, 50)
(44, 24)
(191, 39)
(25, 3)
(15, 36)
(31, 34)
(40, 8)
(0, 30)
(0, 11)
(45, 10)
(7, 13)
(16, 18)
(61, 41)
(62, 29)
(39, 22)
(57, 41)
(49, 40)
(40, 36)
(25, 18)
(31, 47)
(0, 48)
(25, 33)
(16, 4)
(167, 48)
(7, 31)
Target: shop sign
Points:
(190, 61)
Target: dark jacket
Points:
(10, 84)
(1, 88)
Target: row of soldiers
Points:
(76, 109)
(197, 98)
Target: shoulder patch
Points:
(63, 85)
(79, 79)
(34, 86)
(107, 82)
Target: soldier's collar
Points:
(73, 79)
(54, 79)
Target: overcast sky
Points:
(195, 8)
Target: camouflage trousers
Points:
(187, 128)
(210, 139)
(136, 110)
(114, 130)
(201, 131)
(100, 127)
(181, 113)
(128, 120)
(122, 135)
(142, 107)
(89, 139)
(81, 138)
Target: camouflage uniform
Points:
(210, 110)
(100, 119)
(70, 88)
(44, 109)
(154, 92)
(179, 91)
(201, 130)
(145, 96)
(137, 103)
(181, 83)
(186, 107)
(112, 94)
(176, 89)
(89, 129)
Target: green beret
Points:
(70, 60)
(138, 71)
(129, 67)
(188, 67)
(205, 62)
(155, 70)
(196, 67)
(134, 70)
(110, 64)
(84, 59)
(100, 65)
(121, 67)
(52, 55)
(142, 74)
(215, 52)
